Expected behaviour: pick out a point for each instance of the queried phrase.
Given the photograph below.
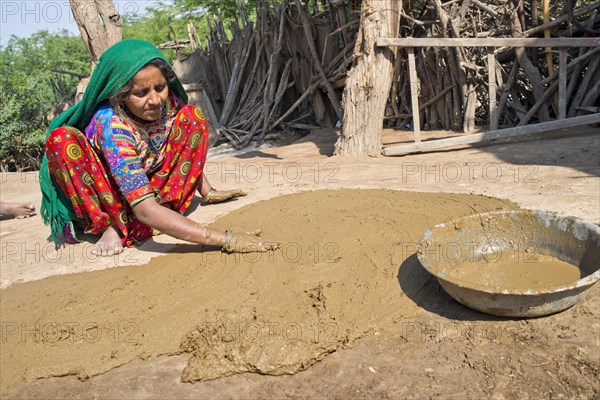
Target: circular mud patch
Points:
(347, 266)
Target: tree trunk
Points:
(369, 81)
(99, 24)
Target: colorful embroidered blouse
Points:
(130, 152)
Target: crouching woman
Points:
(125, 162)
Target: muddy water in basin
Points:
(517, 271)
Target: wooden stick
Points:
(547, 94)
(563, 18)
(309, 90)
(464, 8)
(271, 76)
(489, 42)
(491, 61)
(549, 61)
(470, 108)
(592, 94)
(313, 52)
(531, 71)
(562, 84)
(414, 94)
(572, 64)
(486, 8)
(586, 84)
(281, 89)
(242, 56)
(305, 127)
(62, 71)
(257, 60)
(492, 135)
(507, 88)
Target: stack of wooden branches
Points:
(284, 72)
(453, 91)
(287, 70)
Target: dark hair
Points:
(117, 100)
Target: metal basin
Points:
(447, 247)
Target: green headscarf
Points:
(115, 67)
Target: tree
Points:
(99, 24)
(369, 81)
(29, 86)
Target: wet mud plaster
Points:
(335, 278)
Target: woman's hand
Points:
(249, 242)
(219, 196)
(172, 223)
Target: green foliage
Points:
(227, 9)
(29, 88)
(164, 22)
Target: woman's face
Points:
(148, 94)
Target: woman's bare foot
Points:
(204, 187)
(221, 196)
(17, 210)
(109, 243)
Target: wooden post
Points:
(369, 81)
(562, 83)
(491, 61)
(414, 93)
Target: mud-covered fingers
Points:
(236, 193)
(255, 247)
(247, 243)
(270, 245)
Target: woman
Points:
(125, 162)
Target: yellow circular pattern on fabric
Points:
(178, 133)
(123, 217)
(195, 140)
(74, 151)
(199, 114)
(108, 198)
(76, 200)
(87, 179)
(185, 168)
(62, 175)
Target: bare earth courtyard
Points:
(343, 310)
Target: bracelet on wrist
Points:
(206, 199)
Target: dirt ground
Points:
(418, 343)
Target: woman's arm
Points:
(172, 223)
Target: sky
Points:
(24, 17)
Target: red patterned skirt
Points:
(83, 177)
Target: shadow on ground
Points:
(423, 289)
